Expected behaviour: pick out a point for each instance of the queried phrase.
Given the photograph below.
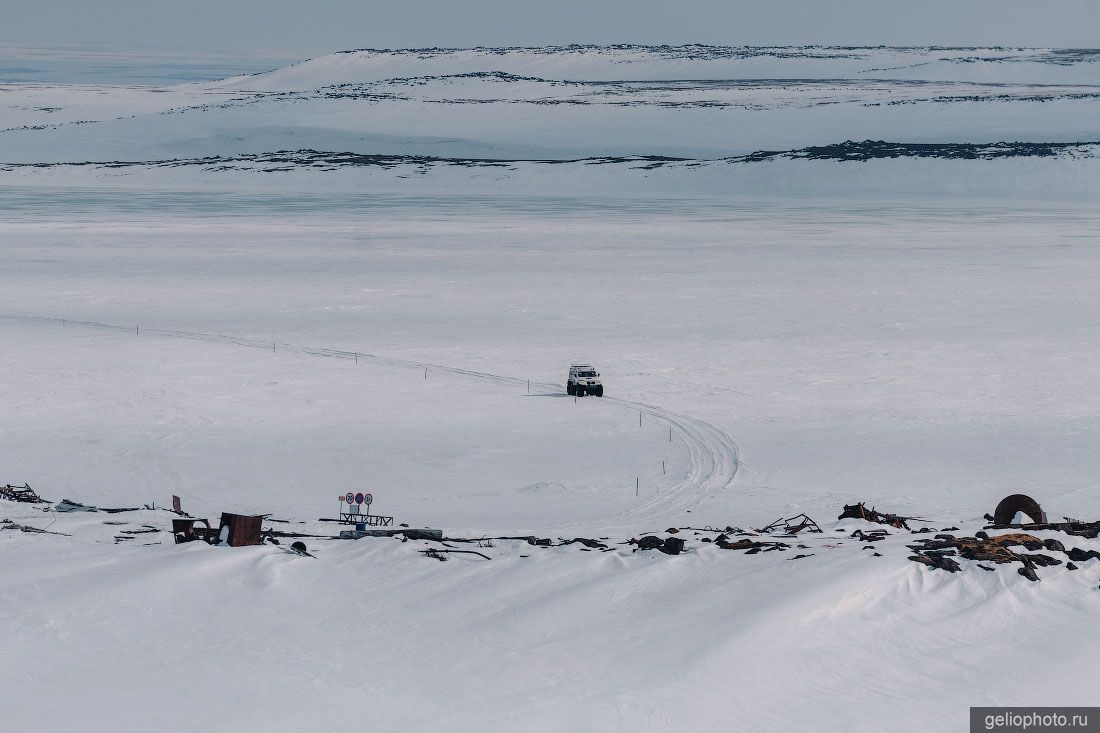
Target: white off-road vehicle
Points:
(584, 379)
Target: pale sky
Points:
(318, 26)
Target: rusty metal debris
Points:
(1018, 503)
(235, 530)
(24, 494)
(860, 511)
(185, 530)
(792, 526)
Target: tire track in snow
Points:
(714, 457)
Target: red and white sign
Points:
(367, 499)
(349, 498)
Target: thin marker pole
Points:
(425, 372)
(357, 358)
(636, 484)
(670, 435)
(272, 347)
(137, 330)
(528, 386)
(663, 471)
(639, 418)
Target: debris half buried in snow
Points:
(860, 511)
(1015, 504)
(792, 526)
(68, 505)
(23, 494)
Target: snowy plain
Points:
(916, 332)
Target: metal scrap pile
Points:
(859, 511)
(24, 494)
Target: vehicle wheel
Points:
(569, 389)
(580, 391)
(599, 391)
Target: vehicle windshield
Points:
(586, 374)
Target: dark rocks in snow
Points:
(935, 552)
(1054, 545)
(672, 546)
(649, 542)
(669, 545)
(799, 557)
(1079, 555)
(937, 561)
(1070, 566)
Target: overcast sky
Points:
(317, 26)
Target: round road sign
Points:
(349, 498)
(367, 499)
(359, 498)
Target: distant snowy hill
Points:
(695, 104)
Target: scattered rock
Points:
(669, 545)
(1078, 555)
(937, 561)
(672, 546)
(649, 542)
(1028, 572)
(1070, 566)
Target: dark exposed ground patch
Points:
(847, 151)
